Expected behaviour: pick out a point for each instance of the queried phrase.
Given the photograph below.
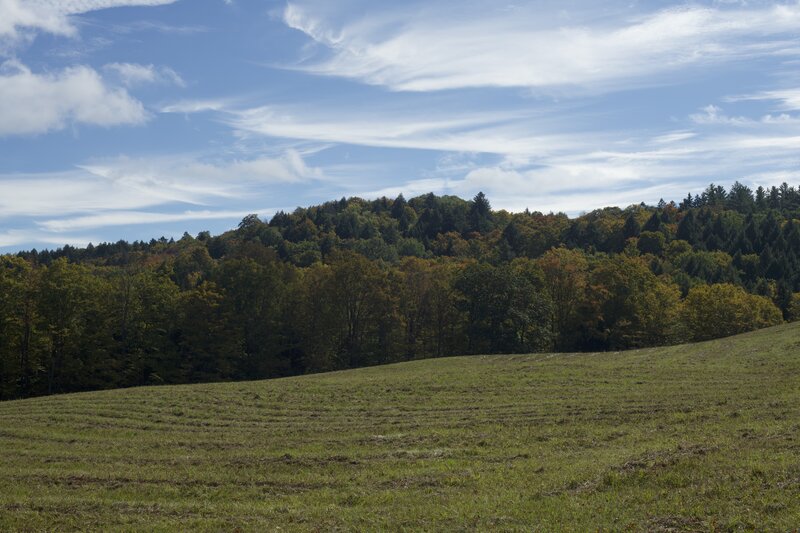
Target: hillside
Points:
(355, 283)
(691, 437)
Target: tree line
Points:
(352, 283)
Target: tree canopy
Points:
(354, 282)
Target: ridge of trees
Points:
(353, 282)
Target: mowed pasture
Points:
(698, 437)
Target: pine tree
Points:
(653, 223)
(687, 228)
(480, 214)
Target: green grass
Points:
(700, 437)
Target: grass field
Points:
(701, 437)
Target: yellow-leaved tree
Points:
(723, 309)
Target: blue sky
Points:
(133, 119)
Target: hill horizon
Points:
(688, 201)
(352, 283)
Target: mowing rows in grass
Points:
(681, 438)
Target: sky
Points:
(136, 119)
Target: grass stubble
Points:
(702, 437)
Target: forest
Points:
(356, 282)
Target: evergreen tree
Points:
(480, 214)
(631, 228)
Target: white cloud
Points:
(488, 132)
(289, 168)
(789, 99)
(132, 74)
(538, 164)
(17, 237)
(583, 180)
(53, 16)
(33, 195)
(61, 207)
(129, 218)
(196, 106)
(157, 26)
(126, 184)
(675, 136)
(714, 115)
(782, 119)
(772, 143)
(569, 190)
(434, 47)
(33, 103)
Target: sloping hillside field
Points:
(687, 438)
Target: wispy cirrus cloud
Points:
(53, 16)
(159, 192)
(189, 107)
(434, 47)
(523, 101)
(625, 171)
(544, 162)
(129, 184)
(16, 237)
(130, 218)
(787, 99)
(498, 132)
(158, 27)
(133, 74)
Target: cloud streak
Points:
(665, 166)
(478, 46)
(126, 184)
(130, 218)
(154, 191)
(788, 99)
(133, 74)
(16, 237)
(53, 16)
(486, 132)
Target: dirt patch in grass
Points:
(429, 481)
(664, 458)
(675, 524)
(647, 463)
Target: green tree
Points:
(414, 286)
(651, 242)
(631, 228)
(505, 312)
(480, 214)
(192, 266)
(255, 297)
(143, 307)
(19, 334)
(350, 307)
(74, 321)
(210, 343)
(794, 308)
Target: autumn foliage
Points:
(353, 283)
